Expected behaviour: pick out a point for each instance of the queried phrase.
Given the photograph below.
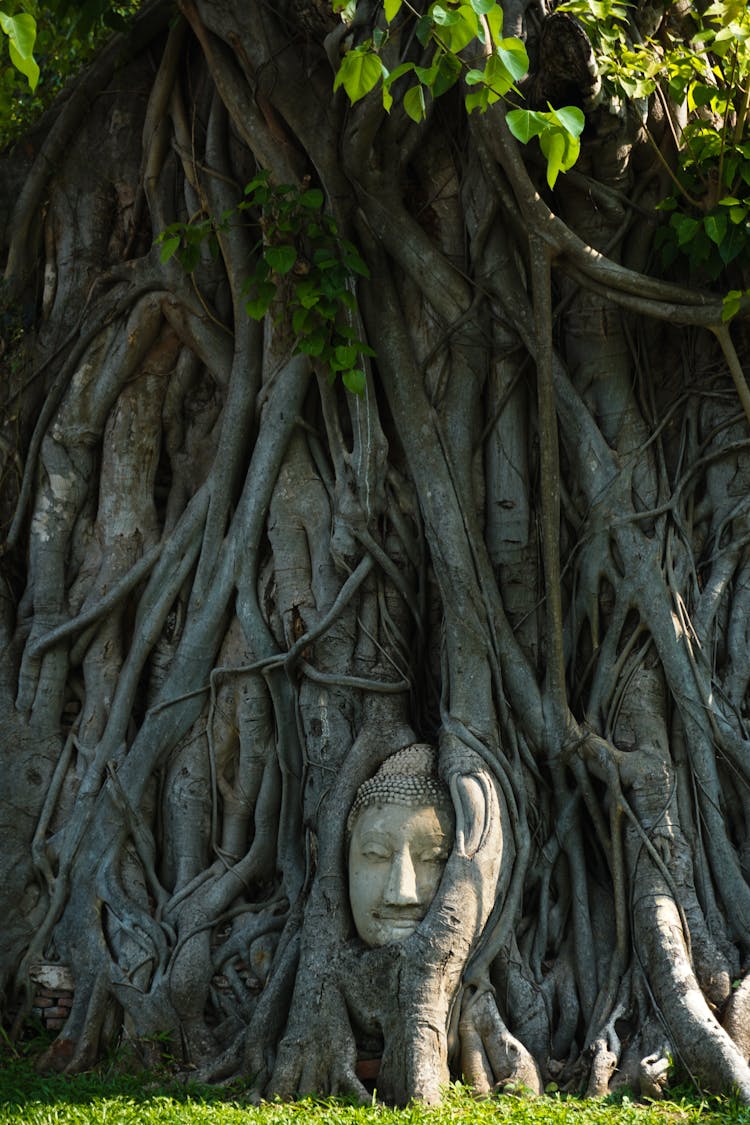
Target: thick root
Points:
(736, 1021)
(653, 1075)
(603, 1065)
(491, 1057)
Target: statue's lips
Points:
(407, 915)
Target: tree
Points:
(514, 528)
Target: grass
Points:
(27, 1098)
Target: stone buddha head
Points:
(401, 829)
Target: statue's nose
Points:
(401, 888)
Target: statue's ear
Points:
(473, 793)
(474, 801)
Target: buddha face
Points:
(396, 859)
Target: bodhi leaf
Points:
(455, 27)
(558, 133)
(281, 258)
(354, 381)
(414, 103)
(732, 303)
(552, 144)
(512, 53)
(257, 307)
(169, 248)
(21, 32)
(525, 124)
(494, 20)
(570, 117)
(360, 72)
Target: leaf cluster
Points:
(49, 41)
(304, 274)
(463, 38)
(703, 78)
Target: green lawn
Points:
(30, 1099)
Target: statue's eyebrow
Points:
(373, 836)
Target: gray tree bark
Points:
(231, 588)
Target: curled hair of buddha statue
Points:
(408, 777)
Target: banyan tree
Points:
(359, 487)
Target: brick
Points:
(368, 1068)
(54, 1024)
(55, 1013)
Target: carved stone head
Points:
(401, 829)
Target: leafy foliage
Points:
(558, 132)
(21, 32)
(304, 270)
(49, 42)
(703, 78)
(466, 40)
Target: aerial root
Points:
(492, 1058)
(736, 1019)
(603, 1065)
(653, 1075)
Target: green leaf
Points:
(733, 244)
(27, 67)
(513, 55)
(21, 32)
(190, 255)
(281, 258)
(423, 30)
(260, 180)
(558, 133)
(299, 320)
(571, 118)
(482, 7)
(444, 17)
(495, 23)
(392, 8)
(169, 248)
(426, 74)
(346, 355)
(686, 228)
(449, 71)
(308, 294)
(312, 198)
(552, 145)
(730, 308)
(716, 227)
(414, 103)
(257, 307)
(525, 124)
(398, 72)
(360, 72)
(314, 343)
(479, 99)
(461, 31)
(354, 381)
(498, 78)
(354, 263)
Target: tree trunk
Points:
(233, 589)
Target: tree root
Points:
(491, 1057)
